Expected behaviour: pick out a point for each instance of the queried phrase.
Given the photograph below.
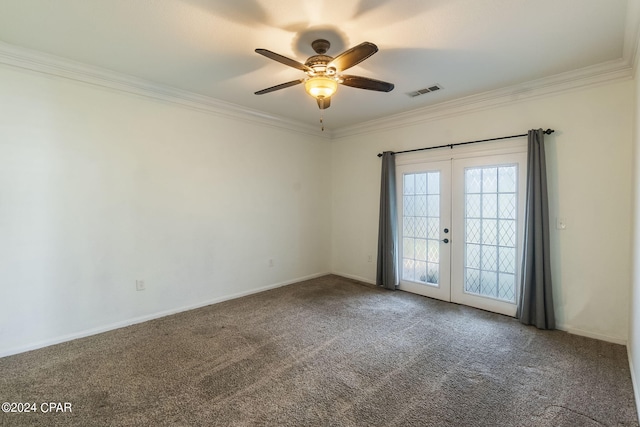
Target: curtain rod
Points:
(548, 132)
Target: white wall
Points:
(99, 188)
(633, 345)
(590, 184)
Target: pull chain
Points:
(321, 123)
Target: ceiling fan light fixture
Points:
(321, 87)
(322, 71)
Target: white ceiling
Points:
(207, 46)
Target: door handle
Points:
(445, 240)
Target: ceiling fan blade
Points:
(280, 86)
(353, 56)
(366, 83)
(324, 103)
(283, 59)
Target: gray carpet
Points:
(326, 352)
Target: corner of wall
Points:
(633, 342)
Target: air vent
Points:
(425, 90)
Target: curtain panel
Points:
(535, 306)
(387, 269)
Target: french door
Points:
(461, 229)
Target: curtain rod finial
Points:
(549, 131)
(382, 154)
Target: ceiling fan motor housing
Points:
(319, 65)
(320, 46)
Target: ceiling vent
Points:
(425, 90)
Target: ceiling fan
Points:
(324, 72)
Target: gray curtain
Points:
(387, 274)
(536, 300)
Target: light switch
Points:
(561, 223)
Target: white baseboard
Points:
(145, 318)
(569, 329)
(354, 277)
(634, 383)
(589, 334)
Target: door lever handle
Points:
(445, 240)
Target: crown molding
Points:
(631, 47)
(19, 57)
(599, 74)
(604, 73)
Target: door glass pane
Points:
(421, 228)
(490, 231)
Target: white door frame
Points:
(462, 157)
(442, 289)
(458, 294)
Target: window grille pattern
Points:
(490, 231)
(421, 227)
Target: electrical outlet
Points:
(140, 285)
(370, 258)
